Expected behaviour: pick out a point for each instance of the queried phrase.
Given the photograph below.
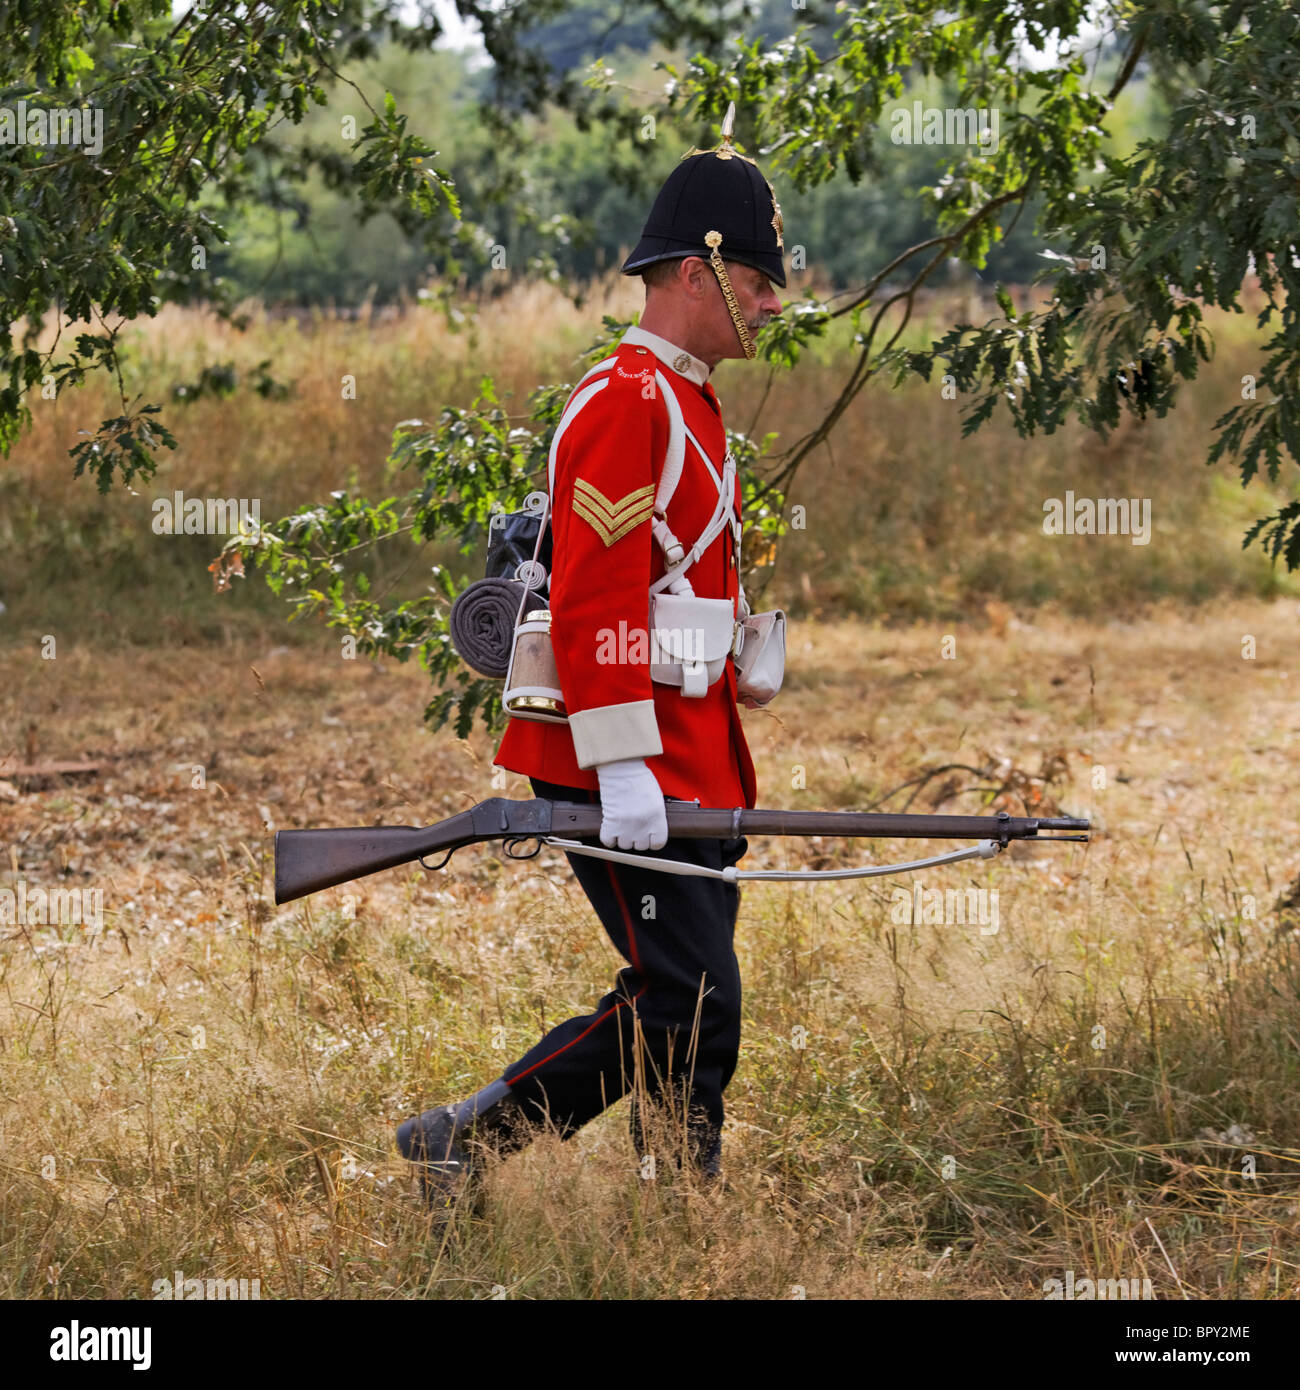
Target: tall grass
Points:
(903, 519)
(948, 1123)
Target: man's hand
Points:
(633, 812)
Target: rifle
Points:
(307, 861)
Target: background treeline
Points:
(314, 248)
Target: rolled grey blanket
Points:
(483, 623)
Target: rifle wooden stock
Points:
(307, 861)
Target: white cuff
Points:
(610, 733)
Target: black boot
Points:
(439, 1140)
(703, 1140)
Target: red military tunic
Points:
(605, 558)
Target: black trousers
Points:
(676, 934)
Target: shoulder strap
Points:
(591, 384)
(722, 512)
(578, 397)
(675, 458)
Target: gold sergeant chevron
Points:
(612, 520)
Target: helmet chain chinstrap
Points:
(713, 240)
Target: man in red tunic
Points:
(710, 251)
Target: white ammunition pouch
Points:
(690, 640)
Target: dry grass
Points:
(129, 1152)
(904, 519)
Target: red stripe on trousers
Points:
(622, 1004)
(627, 918)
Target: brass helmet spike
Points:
(724, 150)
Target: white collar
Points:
(670, 354)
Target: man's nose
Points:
(771, 304)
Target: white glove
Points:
(633, 812)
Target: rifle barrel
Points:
(689, 822)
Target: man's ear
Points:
(698, 274)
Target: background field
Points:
(905, 519)
(128, 1151)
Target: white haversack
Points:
(760, 665)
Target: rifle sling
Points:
(985, 849)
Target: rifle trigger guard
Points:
(512, 841)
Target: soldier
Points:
(711, 247)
